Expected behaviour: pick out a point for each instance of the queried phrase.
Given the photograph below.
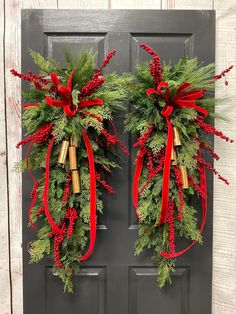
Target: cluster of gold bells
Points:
(71, 147)
(174, 152)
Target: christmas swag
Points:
(69, 143)
(171, 115)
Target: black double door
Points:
(113, 281)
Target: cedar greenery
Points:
(146, 112)
(113, 92)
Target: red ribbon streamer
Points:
(84, 103)
(92, 197)
(137, 174)
(34, 193)
(167, 165)
(46, 190)
(182, 99)
(204, 213)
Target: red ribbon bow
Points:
(65, 93)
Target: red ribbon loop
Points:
(34, 190)
(93, 218)
(137, 174)
(55, 79)
(160, 90)
(66, 95)
(85, 103)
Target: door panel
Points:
(113, 281)
(90, 283)
(145, 298)
(55, 45)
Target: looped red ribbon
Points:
(137, 173)
(66, 95)
(65, 92)
(53, 224)
(182, 99)
(92, 179)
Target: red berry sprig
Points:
(39, 136)
(72, 215)
(105, 62)
(142, 140)
(207, 148)
(170, 219)
(197, 187)
(35, 79)
(155, 66)
(104, 183)
(112, 139)
(209, 129)
(66, 192)
(209, 166)
(223, 73)
(58, 238)
(153, 172)
(91, 87)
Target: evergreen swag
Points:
(164, 105)
(88, 99)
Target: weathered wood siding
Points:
(224, 252)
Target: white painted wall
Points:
(224, 252)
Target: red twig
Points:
(223, 73)
(209, 166)
(197, 187)
(141, 141)
(72, 215)
(104, 183)
(209, 129)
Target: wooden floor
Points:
(224, 253)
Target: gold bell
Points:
(74, 140)
(75, 181)
(72, 158)
(173, 156)
(177, 141)
(63, 152)
(184, 176)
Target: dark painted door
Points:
(113, 281)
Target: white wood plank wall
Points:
(224, 252)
